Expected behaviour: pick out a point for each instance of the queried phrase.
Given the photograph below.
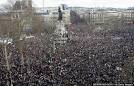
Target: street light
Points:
(43, 6)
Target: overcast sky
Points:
(88, 3)
(84, 3)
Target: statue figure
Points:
(60, 14)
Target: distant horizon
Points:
(85, 7)
(86, 3)
(83, 3)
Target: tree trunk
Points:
(22, 58)
(9, 83)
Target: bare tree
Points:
(11, 28)
(38, 24)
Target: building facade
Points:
(22, 12)
(51, 14)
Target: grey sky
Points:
(88, 3)
(84, 3)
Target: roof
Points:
(4, 13)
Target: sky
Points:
(83, 3)
(88, 3)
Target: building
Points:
(22, 11)
(51, 14)
(102, 16)
(97, 17)
(128, 16)
(20, 8)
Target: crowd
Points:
(98, 57)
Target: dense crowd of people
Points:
(88, 58)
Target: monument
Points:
(60, 14)
(60, 34)
(60, 31)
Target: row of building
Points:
(103, 16)
(51, 14)
(93, 15)
(90, 15)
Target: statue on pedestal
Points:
(60, 34)
(60, 31)
(60, 14)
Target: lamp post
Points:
(43, 5)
